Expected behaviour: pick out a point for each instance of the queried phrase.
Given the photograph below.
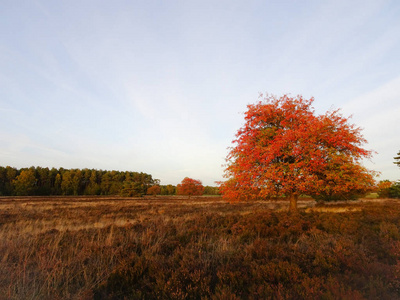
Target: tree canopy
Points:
(154, 190)
(45, 181)
(397, 159)
(190, 187)
(286, 149)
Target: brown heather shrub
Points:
(172, 248)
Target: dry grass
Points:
(35, 215)
(77, 247)
(333, 209)
(45, 240)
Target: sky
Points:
(161, 86)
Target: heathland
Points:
(202, 248)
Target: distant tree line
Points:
(38, 181)
(44, 181)
(387, 188)
(173, 190)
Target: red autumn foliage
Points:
(190, 187)
(285, 149)
(154, 190)
(383, 188)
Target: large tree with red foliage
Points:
(285, 149)
(190, 187)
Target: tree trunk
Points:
(293, 203)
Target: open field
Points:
(202, 248)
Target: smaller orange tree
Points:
(383, 187)
(190, 187)
(154, 190)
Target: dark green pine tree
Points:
(397, 159)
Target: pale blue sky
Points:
(159, 86)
